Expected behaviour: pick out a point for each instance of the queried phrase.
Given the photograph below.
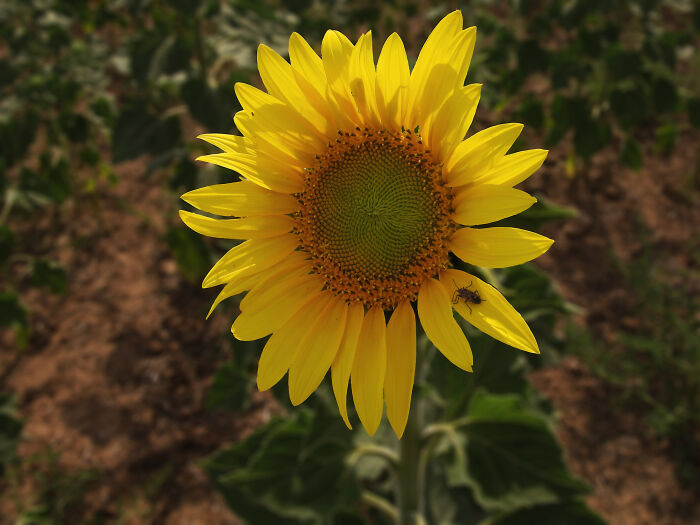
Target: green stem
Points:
(379, 503)
(410, 475)
(374, 450)
(409, 482)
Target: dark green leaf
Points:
(665, 95)
(692, 106)
(290, 471)
(566, 65)
(539, 214)
(531, 57)
(74, 125)
(530, 112)
(666, 136)
(184, 174)
(53, 180)
(590, 136)
(49, 274)
(141, 51)
(569, 513)
(629, 105)
(213, 108)
(10, 430)
(7, 240)
(631, 154)
(231, 388)
(513, 458)
(190, 252)
(11, 310)
(623, 64)
(139, 130)
(565, 113)
(16, 135)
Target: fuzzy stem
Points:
(409, 482)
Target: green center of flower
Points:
(374, 216)
(374, 211)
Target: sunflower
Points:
(357, 183)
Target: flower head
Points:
(356, 185)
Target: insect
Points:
(468, 295)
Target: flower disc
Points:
(375, 216)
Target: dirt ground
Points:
(118, 369)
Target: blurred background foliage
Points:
(88, 84)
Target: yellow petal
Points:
(252, 168)
(250, 257)
(229, 143)
(362, 79)
(514, 168)
(432, 53)
(246, 228)
(240, 199)
(445, 76)
(484, 203)
(400, 365)
(234, 288)
(245, 282)
(497, 247)
(310, 76)
(342, 364)
(449, 126)
(368, 369)
(274, 118)
(306, 61)
(494, 315)
(393, 77)
(265, 308)
(316, 353)
(278, 77)
(336, 51)
(281, 348)
(435, 312)
(270, 142)
(480, 152)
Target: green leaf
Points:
(290, 471)
(568, 513)
(231, 388)
(629, 105)
(498, 369)
(213, 108)
(623, 64)
(190, 251)
(664, 95)
(7, 240)
(10, 430)
(184, 174)
(11, 310)
(531, 57)
(16, 135)
(666, 137)
(631, 154)
(530, 112)
(591, 136)
(52, 182)
(74, 125)
(513, 458)
(565, 112)
(140, 130)
(539, 214)
(692, 107)
(49, 274)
